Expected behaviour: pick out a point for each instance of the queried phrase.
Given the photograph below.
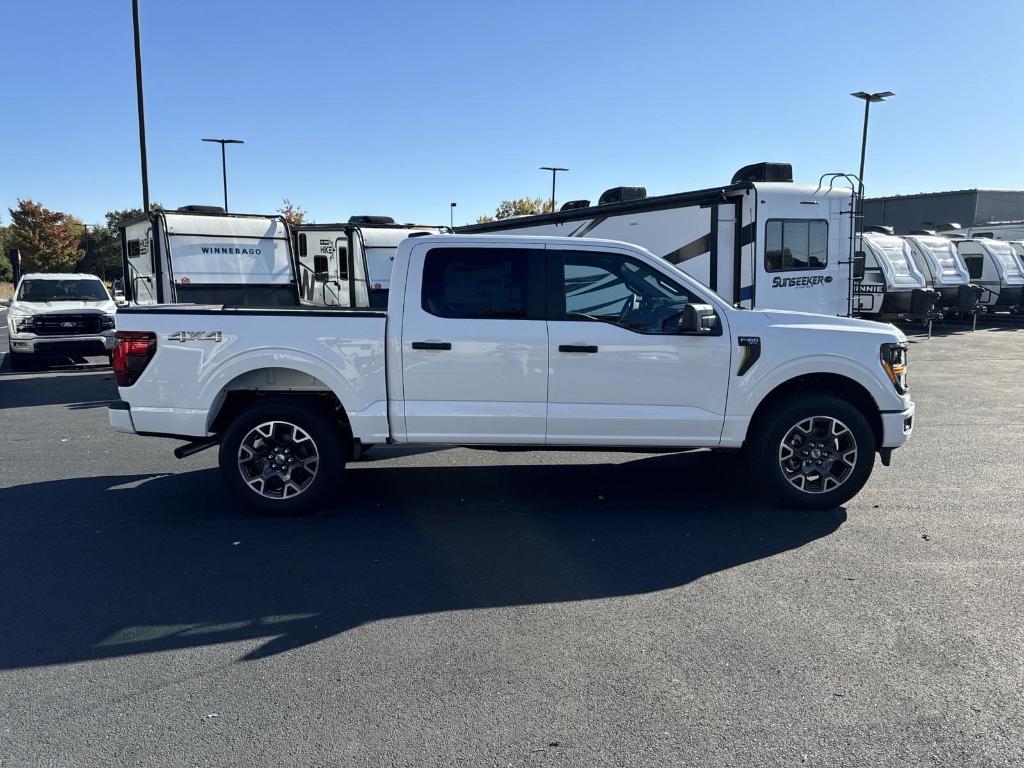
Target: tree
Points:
(523, 206)
(50, 241)
(6, 271)
(292, 213)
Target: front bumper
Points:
(897, 427)
(30, 344)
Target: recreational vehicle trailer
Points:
(349, 265)
(761, 241)
(944, 272)
(993, 264)
(997, 230)
(201, 255)
(892, 287)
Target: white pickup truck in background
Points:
(516, 341)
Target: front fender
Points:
(749, 391)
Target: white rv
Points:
(201, 255)
(944, 272)
(997, 230)
(349, 265)
(762, 241)
(892, 287)
(993, 264)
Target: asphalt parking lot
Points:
(475, 608)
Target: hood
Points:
(786, 319)
(59, 307)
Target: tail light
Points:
(132, 352)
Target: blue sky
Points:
(398, 109)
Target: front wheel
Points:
(813, 451)
(281, 457)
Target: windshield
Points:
(62, 290)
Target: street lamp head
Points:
(453, 204)
(552, 168)
(880, 96)
(225, 141)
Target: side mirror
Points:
(858, 265)
(698, 320)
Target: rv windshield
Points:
(62, 290)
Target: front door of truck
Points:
(620, 371)
(474, 349)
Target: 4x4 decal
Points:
(184, 336)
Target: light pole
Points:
(868, 98)
(451, 215)
(142, 117)
(224, 163)
(554, 172)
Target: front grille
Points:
(66, 325)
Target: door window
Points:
(614, 288)
(975, 263)
(795, 244)
(483, 283)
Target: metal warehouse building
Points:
(966, 207)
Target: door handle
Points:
(588, 348)
(431, 345)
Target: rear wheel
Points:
(282, 456)
(813, 451)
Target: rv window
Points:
(134, 250)
(616, 289)
(302, 244)
(975, 265)
(320, 267)
(480, 283)
(342, 261)
(795, 244)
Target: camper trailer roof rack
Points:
(763, 172)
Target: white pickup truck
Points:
(516, 341)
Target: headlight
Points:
(106, 322)
(894, 361)
(22, 323)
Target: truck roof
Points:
(58, 276)
(472, 237)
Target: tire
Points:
(287, 481)
(813, 451)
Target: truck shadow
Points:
(109, 566)
(87, 388)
